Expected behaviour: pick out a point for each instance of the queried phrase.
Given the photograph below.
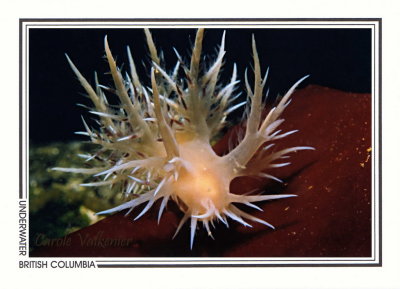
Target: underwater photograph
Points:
(217, 141)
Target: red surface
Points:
(331, 216)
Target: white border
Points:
(194, 262)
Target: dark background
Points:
(336, 58)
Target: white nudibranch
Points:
(157, 141)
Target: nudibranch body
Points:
(157, 142)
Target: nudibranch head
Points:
(157, 142)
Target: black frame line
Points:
(204, 262)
